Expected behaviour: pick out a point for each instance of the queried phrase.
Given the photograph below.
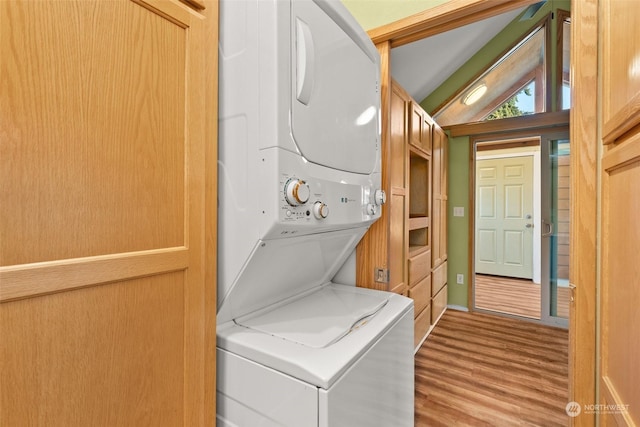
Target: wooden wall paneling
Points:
(107, 289)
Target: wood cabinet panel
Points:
(438, 304)
(123, 112)
(420, 125)
(419, 267)
(618, 342)
(621, 68)
(108, 225)
(421, 294)
(421, 325)
(86, 355)
(620, 289)
(397, 241)
(398, 138)
(439, 278)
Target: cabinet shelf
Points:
(418, 222)
(417, 250)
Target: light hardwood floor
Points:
(519, 297)
(476, 369)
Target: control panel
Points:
(317, 201)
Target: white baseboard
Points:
(457, 307)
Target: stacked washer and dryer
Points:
(299, 185)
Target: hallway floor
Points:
(519, 297)
(477, 369)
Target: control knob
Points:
(296, 192)
(380, 197)
(320, 210)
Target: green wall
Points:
(375, 13)
(458, 227)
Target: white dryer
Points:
(299, 185)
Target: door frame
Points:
(505, 141)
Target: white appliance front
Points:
(299, 184)
(299, 128)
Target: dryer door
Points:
(335, 91)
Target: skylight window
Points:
(515, 86)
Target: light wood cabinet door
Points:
(620, 285)
(400, 103)
(420, 128)
(107, 249)
(439, 208)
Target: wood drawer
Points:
(438, 304)
(419, 267)
(421, 294)
(421, 325)
(400, 289)
(439, 278)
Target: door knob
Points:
(529, 225)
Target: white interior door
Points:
(504, 217)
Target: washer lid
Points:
(319, 319)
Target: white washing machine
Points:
(299, 185)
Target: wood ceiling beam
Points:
(447, 16)
(529, 123)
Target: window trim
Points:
(562, 17)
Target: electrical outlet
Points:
(460, 279)
(381, 275)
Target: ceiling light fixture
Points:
(475, 94)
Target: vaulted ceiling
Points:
(422, 66)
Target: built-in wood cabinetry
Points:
(619, 341)
(107, 235)
(418, 221)
(439, 221)
(382, 253)
(396, 253)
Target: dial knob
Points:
(380, 197)
(296, 192)
(320, 210)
